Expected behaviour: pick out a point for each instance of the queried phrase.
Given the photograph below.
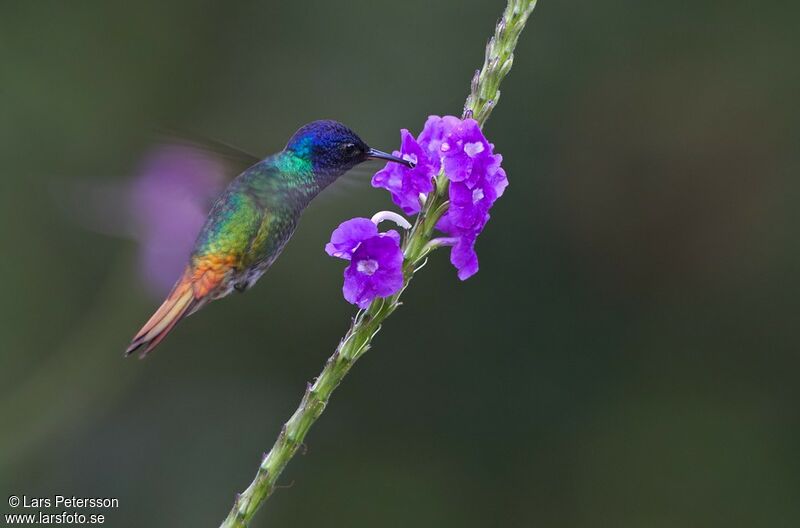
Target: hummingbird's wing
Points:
(162, 205)
(235, 159)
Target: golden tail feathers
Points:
(180, 303)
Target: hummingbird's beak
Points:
(377, 154)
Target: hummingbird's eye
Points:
(350, 149)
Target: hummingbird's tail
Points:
(180, 303)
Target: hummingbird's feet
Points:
(240, 286)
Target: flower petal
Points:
(347, 237)
(464, 258)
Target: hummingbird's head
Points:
(333, 149)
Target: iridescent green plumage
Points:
(254, 218)
(256, 215)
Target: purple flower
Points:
(434, 134)
(406, 185)
(464, 151)
(476, 181)
(376, 261)
(459, 148)
(469, 205)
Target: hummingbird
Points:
(253, 219)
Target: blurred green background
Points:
(627, 355)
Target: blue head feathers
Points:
(332, 147)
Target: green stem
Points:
(482, 99)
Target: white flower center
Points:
(445, 147)
(477, 195)
(473, 149)
(367, 267)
